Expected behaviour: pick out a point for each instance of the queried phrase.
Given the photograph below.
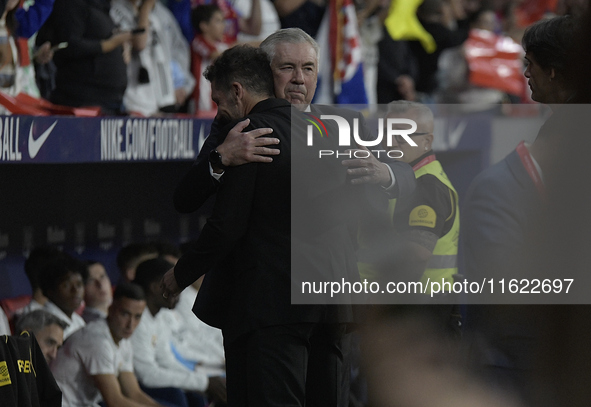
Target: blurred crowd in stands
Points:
(147, 57)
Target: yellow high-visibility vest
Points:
(444, 261)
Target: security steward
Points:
(417, 239)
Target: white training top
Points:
(154, 363)
(88, 352)
(74, 323)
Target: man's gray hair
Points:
(400, 107)
(290, 36)
(36, 320)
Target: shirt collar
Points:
(54, 309)
(267, 104)
(427, 154)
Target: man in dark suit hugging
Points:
(276, 353)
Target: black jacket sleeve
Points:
(224, 228)
(229, 220)
(198, 184)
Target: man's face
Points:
(228, 107)
(69, 293)
(422, 137)
(50, 338)
(97, 291)
(411, 153)
(124, 316)
(538, 80)
(295, 72)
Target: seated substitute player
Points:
(37, 260)
(97, 361)
(159, 372)
(62, 282)
(98, 293)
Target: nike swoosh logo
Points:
(456, 134)
(35, 144)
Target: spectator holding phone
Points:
(158, 73)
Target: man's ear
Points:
(429, 140)
(552, 73)
(237, 90)
(155, 288)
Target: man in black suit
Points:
(277, 354)
(294, 57)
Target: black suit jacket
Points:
(247, 247)
(197, 185)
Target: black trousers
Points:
(289, 365)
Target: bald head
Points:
(418, 112)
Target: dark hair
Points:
(57, 269)
(36, 320)
(128, 254)
(551, 41)
(243, 64)
(129, 290)
(37, 260)
(151, 271)
(203, 13)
